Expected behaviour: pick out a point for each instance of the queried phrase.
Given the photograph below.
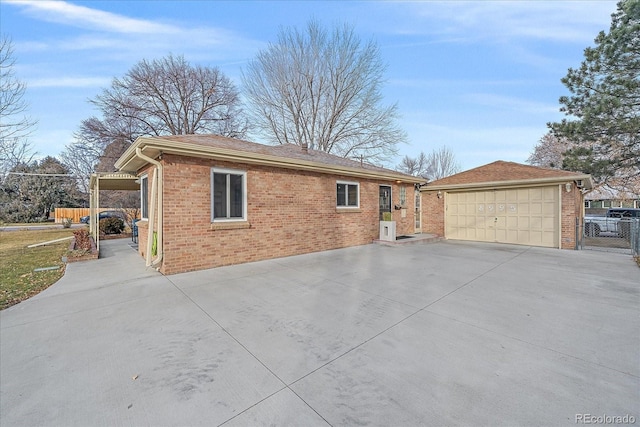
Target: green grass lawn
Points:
(18, 281)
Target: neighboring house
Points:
(598, 201)
(508, 203)
(209, 201)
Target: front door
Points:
(385, 199)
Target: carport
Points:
(507, 202)
(106, 181)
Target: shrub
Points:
(111, 225)
(83, 239)
(66, 222)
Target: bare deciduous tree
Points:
(171, 97)
(15, 126)
(441, 163)
(416, 166)
(322, 89)
(438, 164)
(160, 97)
(549, 151)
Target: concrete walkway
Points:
(446, 333)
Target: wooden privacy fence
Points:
(73, 213)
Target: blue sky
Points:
(482, 77)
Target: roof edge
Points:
(588, 184)
(155, 146)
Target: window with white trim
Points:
(587, 204)
(228, 195)
(144, 197)
(347, 194)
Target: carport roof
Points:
(501, 173)
(114, 181)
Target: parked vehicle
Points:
(616, 221)
(106, 214)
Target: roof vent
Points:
(305, 147)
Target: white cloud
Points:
(79, 16)
(566, 21)
(121, 37)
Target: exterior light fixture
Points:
(439, 194)
(567, 187)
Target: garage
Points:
(526, 216)
(507, 202)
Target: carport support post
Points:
(93, 214)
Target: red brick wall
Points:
(289, 212)
(432, 213)
(572, 203)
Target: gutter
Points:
(255, 158)
(156, 193)
(512, 183)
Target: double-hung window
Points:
(144, 197)
(347, 194)
(228, 195)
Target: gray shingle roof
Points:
(290, 151)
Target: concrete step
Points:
(410, 239)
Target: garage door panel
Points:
(526, 216)
(549, 209)
(524, 195)
(548, 223)
(524, 236)
(535, 208)
(535, 223)
(538, 194)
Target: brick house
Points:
(209, 201)
(507, 202)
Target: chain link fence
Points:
(609, 234)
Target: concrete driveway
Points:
(447, 333)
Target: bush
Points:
(83, 239)
(111, 225)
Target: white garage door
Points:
(526, 216)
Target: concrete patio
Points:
(445, 333)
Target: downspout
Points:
(152, 217)
(158, 176)
(96, 211)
